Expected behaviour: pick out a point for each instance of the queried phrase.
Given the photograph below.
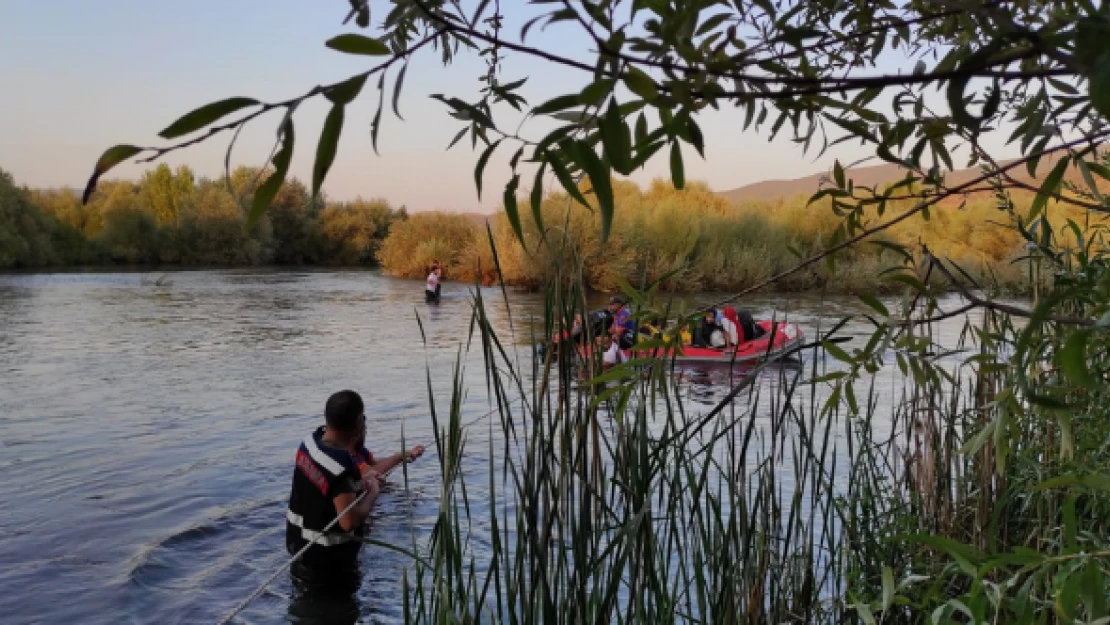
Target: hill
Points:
(863, 176)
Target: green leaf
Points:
(397, 85)
(346, 91)
(1073, 358)
(613, 137)
(1099, 84)
(326, 148)
(565, 178)
(376, 123)
(596, 92)
(694, 135)
(265, 194)
(1049, 187)
(205, 115)
(537, 198)
(958, 84)
(838, 174)
(481, 166)
(641, 130)
(888, 587)
(603, 188)
(358, 44)
(560, 103)
(966, 556)
(641, 84)
(875, 304)
(865, 614)
(510, 207)
(678, 171)
(110, 158)
(1090, 48)
(836, 352)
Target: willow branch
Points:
(900, 218)
(1016, 311)
(286, 104)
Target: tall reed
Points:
(875, 484)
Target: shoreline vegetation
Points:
(686, 240)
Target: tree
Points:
(1031, 74)
(355, 230)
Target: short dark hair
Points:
(343, 410)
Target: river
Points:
(147, 431)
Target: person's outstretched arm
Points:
(385, 465)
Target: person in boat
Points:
(730, 330)
(431, 284)
(709, 332)
(623, 328)
(332, 468)
(752, 331)
(651, 328)
(611, 354)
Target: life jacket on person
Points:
(321, 473)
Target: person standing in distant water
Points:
(431, 285)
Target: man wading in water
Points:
(432, 285)
(332, 468)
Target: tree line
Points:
(696, 240)
(174, 217)
(688, 240)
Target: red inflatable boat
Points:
(778, 337)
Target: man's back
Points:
(321, 474)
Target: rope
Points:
(258, 591)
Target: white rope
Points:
(258, 591)
(254, 595)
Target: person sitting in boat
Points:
(651, 328)
(752, 330)
(611, 354)
(709, 333)
(431, 284)
(623, 329)
(749, 330)
(331, 469)
(730, 331)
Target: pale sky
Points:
(79, 76)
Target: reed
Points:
(882, 482)
(694, 240)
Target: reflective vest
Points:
(322, 473)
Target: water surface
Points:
(147, 432)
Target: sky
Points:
(80, 76)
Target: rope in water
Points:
(258, 591)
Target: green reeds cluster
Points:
(909, 487)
